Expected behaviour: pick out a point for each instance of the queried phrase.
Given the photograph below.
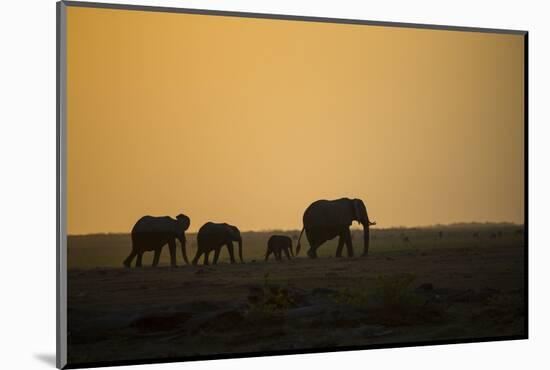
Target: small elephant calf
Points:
(277, 244)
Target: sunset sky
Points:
(248, 121)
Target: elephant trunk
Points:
(366, 238)
(240, 241)
(183, 251)
(367, 223)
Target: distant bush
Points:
(269, 299)
(395, 292)
(392, 292)
(389, 300)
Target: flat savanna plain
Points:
(423, 284)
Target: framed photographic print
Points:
(235, 184)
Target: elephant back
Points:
(151, 224)
(211, 228)
(208, 227)
(279, 241)
(211, 233)
(329, 213)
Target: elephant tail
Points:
(299, 246)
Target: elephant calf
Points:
(212, 237)
(277, 244)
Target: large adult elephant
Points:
(327, 219)
(152, 233)
(212, 237)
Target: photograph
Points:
(243, 184)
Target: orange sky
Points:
(247, 121)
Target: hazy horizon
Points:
(248, 121)
(353, 227)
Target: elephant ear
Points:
(359, 209)
(236, 234)
(355, 209)
(184, 220)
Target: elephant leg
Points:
(139, 257)
(287, 253)
(206, 255)
(347, 240)
(157, 257)
(267, 254)
(128, 261)
(316, 238)
(197, 256)
(172, 247)
(340, 246)
(312, 252)
(216, 255)
(279, 255)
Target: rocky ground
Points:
(408, 295)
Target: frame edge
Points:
(288, 17)
(61, 156)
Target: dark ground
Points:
(450, 288)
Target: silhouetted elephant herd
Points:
(323, 220)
